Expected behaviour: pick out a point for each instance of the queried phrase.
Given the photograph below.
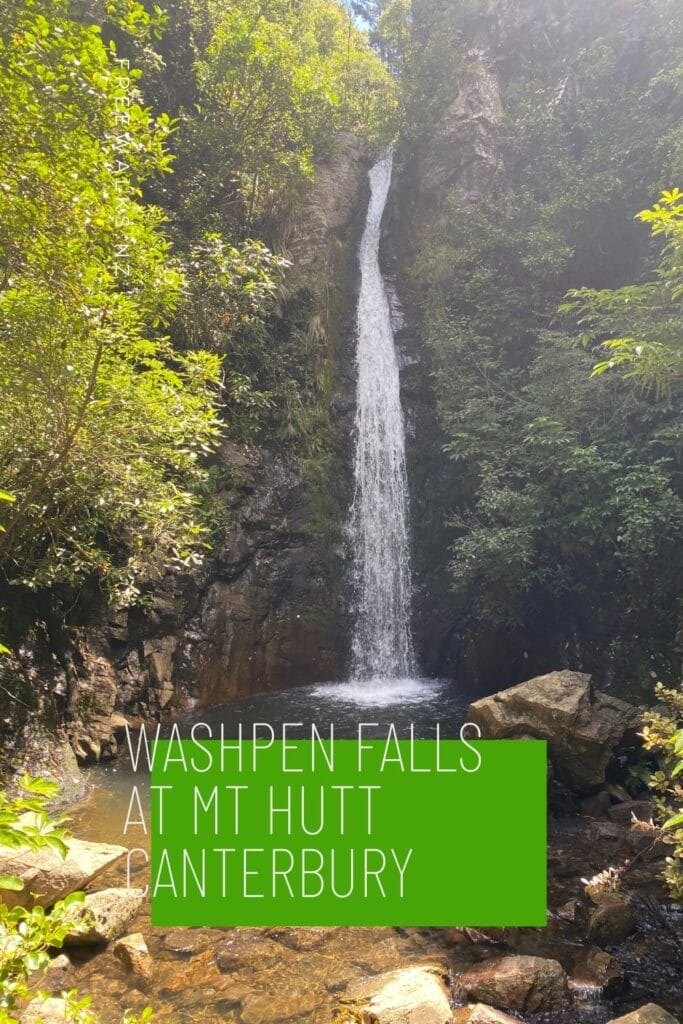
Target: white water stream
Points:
(382, 647)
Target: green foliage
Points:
(644, 322)
(566, 518)
(539, 130)
(261, 91)
(663, 735)
(27, 935)
(24, 820)
(231, 291)
(102, 424)
(275, 81)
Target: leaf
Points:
(40, 786)
(11, 883)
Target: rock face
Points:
(527, 984)
(261, 624)
(583, 728)
(107, 914)
(48, 878)
(91, 736)
(411, 995)
(465, 149)
(632, 810)
(337, 195)
(651, 1013)
(260, 615)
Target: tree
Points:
(536, 129)
(643, 322)
(275, 82)
(102, 424)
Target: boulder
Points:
(107, 914)
(632, 810)
(651, 1013)
(409, 995)
(611, 921)
(526, 984)
(45, 1011)
(582, 727)
(133, 953)
(48, 877)
(480, 1013)
(597, 970)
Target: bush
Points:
(663, 735)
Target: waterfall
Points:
(382, 646)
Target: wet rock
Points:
(597, 806)
(133, 953)
(302, 938)
(189, 941)
(255, 627)
(651, 1013)
(92, 737)
(410, 995)
(567, 912)
(45, 1011)
(333, 201)
(202, 970)
(248, 948)
(275, 1005)
(583, 728)
(597, 969)
(632, 810)
(527, 984)
(49, 876)
(611, 921)
(107, 913)
(480, 1013)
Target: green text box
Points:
(402, 843)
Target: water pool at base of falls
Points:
(403, 702)
(296, 975)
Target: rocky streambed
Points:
(613, 944)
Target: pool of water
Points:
(421, 703)
(296, 975)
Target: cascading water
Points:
(382, 646)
